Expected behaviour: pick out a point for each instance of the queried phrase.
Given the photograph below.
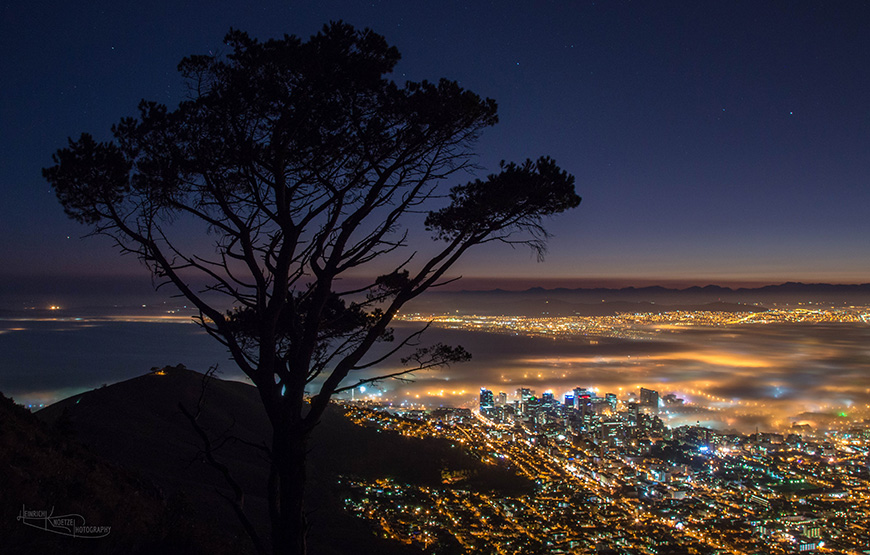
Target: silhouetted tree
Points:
(304, 163)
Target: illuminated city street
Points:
(633, 489)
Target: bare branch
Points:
(237, 502)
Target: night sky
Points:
(713, 142)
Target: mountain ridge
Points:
(603, 301)
(788, 286)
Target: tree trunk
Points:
(286, 491)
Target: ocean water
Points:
(741, 377)
(42, 361)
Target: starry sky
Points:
(712, 142)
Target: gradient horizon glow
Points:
(712, 142)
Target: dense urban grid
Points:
(610, 476)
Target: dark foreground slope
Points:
(44, 469)
(138, 426)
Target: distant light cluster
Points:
(641, 325)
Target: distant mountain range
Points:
(538, 301)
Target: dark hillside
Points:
(138, 424)
(344, 448)
(45, 469)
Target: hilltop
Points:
(136, 427)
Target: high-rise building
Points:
(582, 399)
(608, 433)
(580, 392)
(649, 398)
(502, 398)
(631, 415)
(487, 401)
(525, 394)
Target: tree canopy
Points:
(303, 161)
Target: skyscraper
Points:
(487, 400)
(582, 399)
(524, 394)
(649, 398)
